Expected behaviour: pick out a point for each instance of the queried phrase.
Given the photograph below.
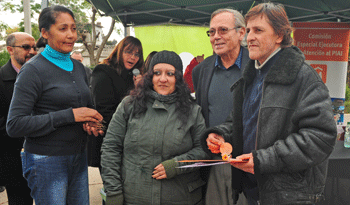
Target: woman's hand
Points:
(93, 128)
(159, 172)
(137, 79)
(214, 141)
(84, 114)
(93, 120)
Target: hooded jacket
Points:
(134, 146)
(295, 135)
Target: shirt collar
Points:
(15, 68)
(257, 64)
(238, 62)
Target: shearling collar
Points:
(283, 71)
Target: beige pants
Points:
(219, 189)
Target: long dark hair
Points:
(139, 97)
(148, 61)
(115, 58)
(48, 17)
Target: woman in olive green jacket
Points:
(151, 130)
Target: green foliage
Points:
(78, 7)
(3, 27)
(347, 93)
(13, 8)
(4, 57)
(35, 29)
(347, 100)
(82, 9)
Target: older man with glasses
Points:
(21, 47)
(212, 80)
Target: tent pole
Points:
(27, 22)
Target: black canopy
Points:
(197, 12)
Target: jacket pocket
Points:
(195, 189)
(133, 130)
(288, 181)
(192, 186)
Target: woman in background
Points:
(111, 81)
(51, 101)
(148, 61)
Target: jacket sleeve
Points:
(103, 93)
(112, 152)
(195, 76)
(223, 130)
(21, 122)
(310, 144)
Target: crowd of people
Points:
(136, 120)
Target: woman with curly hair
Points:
(156, 126)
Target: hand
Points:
(159, 172)
(137, 79)
(199, 59)
(247, 166)
(93, 128)
(214, 141)
(84, 114)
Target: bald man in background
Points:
(21, 47)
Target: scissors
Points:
(225, 150)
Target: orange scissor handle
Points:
(226, 150)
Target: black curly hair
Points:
(139, 97)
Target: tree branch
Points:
(104, 41)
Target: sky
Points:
(13, 19)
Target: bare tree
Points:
(79, 8)
(90, 44)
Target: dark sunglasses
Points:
(27, 47)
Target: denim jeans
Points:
(58, 180)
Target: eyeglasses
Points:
(132, 54)
(27, 47)
(221, 30)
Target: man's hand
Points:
(214, 141)
(247, 166)
(199, 59)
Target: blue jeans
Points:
(58, 180)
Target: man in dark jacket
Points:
(212, 80)
(281, 120)
(21, 47)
